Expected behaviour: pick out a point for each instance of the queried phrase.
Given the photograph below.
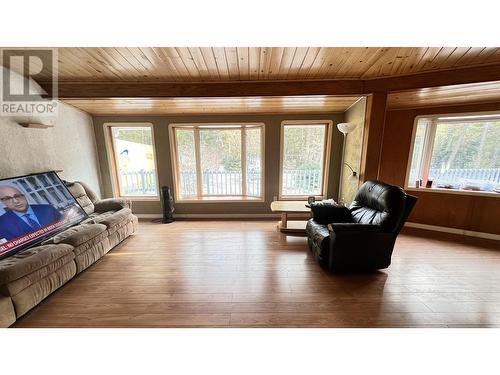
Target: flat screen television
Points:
(33, 208)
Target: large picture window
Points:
(304, 158)
(132, 160)
(217, 162)
(456, 152)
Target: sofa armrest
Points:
(352, 228)
(330, 213)
(111, 204)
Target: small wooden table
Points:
(287, 207)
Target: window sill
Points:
(300, 197)
(228, 199)
(455, 191)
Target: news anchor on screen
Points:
(21, 217)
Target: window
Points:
(133, 159)
(459, 152)
(304, 155)
(214, 162)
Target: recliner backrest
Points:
(83, 194)
(410, 203)
(379, 203)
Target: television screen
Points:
(33, 208)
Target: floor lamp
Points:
(345, 128)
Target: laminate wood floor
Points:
(247, 274)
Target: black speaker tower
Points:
(168, 205)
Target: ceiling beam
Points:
(477, 74)
(82, 90)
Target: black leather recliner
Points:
(362, 236)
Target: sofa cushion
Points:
(90, 218)
(90, 243)
(16, 286)
(119, 232)
(120, 225)
(112, 218)
(30, 260)
(85, 258)
(7, 314)
(34, 294)
(79, 234)
(111, 204)
(77, 190)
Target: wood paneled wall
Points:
(467, 212)
(373, 132)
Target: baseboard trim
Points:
(227, 216)
(463, 232)
(149, 216)
(213, 216)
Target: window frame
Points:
(429, 146)
(216, 198)
(326, 158)
(112, 162)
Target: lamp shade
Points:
(346, 127)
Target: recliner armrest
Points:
(358, 247)
(352, 228)
(330, 213)
(111, 204)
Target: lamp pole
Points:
(345, 128)
(342, 168)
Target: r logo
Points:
(36, 64)
(23, 71)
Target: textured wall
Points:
(353, 146)
(69, 145)
(272, 159)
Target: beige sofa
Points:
(26, 278)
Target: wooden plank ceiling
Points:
(218, 64)
(355, 71)
(189, 106)
(484, 92)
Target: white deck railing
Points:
(138, 182)
(295, 182)
(486, 179)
